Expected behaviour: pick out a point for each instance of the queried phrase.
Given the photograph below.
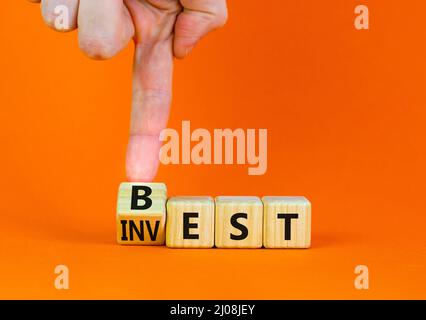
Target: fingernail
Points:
(188, 50)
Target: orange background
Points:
(345, 112)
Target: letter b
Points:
(145, 197)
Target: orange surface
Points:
(346, 114)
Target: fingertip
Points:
(135, 177)
(105, 28)
(142, 158)
(98, 48)
(179, 55)
(181, 52)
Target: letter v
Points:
(153, 236)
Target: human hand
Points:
(161, 30)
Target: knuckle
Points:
(153, 99)
(97, 48)
(221, 18)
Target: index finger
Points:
(152, 87)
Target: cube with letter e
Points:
(190, 222)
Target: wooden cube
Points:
(141, 213)
(190, 222)
(238, 222)
(287, 222)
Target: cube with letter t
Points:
(287, 222)
(141, 213)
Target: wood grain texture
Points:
(228, 208)
(159, 190)
(145, 222)
(298, 226)
(199, 215)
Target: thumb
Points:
(197, 19)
